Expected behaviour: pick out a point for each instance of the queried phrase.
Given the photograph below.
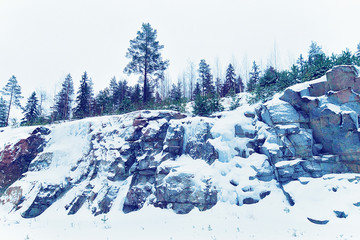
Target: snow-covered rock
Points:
(287, 158)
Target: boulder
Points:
(356, 87)
(46, 196)
(318, 87)
(341, 126)
(199, 146)
(343, 96)
(242, 132)
(341, 77)
(282, 112)
(180, 192)
(302, 143)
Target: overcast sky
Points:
(43, 40)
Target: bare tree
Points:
(192, 79)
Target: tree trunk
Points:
(8, 114)
(145, 97)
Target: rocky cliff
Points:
(174, 161)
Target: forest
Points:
(153, 91)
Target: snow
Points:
(290, 163)
(270, 218)
(302, 87)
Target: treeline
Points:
(154, 91)
(264, 84)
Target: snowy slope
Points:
(164, 175)
(270, 218)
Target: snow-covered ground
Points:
(334, 199)
(271, 218)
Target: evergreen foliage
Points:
(13, 90)
(84, 99)
(104, 103)
(177, 100)
(219, 86)
(254, 77)
(3, 112)
(145, 58)
(239, 86)
(197, 90)
(207, 101)
(205, 105)
(63, 100)
(230, 81)
(31, 111)
(206, 79)
(314, 67)
(136, 96)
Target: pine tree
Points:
(84, 99)
(205, 106)
(13, 90)
(175, 93)
(103, 103)
(315, 51)
(269, 78)
(206, 78)
(125, 104)
(230, 78)
(31, 110)
(318, 63)
(254, 77)
(239, 87)
(197, 90)
(302, 67)
(219, 86)
(3, 112)
(114, 93)
(357, 53)
(136, 96)
(144, 52)
(63, 100)
(345, 58)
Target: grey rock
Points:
(341, 77)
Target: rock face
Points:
(15, 160)
(315, 126)
(173, 161)
(122, 157)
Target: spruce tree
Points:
(145, 58)
(3, 112)
(254, 77)
(31, 110)
(239, 87)
(206, 78)
(63, 100)
(315, 51)
(175, 93)
(219, 86)
(103, 103)
(197, 90)
(230, 78)
(114, 92)
(13, 90)
(84, 99)
(136, 96)
(345, 58)
(302, 68)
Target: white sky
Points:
(43, 40)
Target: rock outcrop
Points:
(315, 126)
(15, 159)
(173, 161)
